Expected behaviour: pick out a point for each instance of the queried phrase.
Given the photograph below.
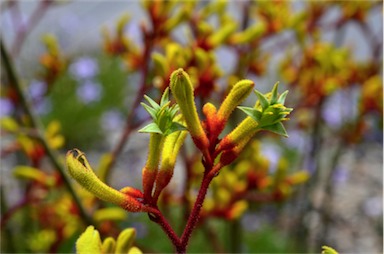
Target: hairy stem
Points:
(195, 214)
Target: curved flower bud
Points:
(182, 90)
(108, 245)
(89, 241)
(237, 95)
(81, 171)
(125, 240)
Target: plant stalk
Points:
(37, 125)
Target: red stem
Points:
(195, 214)
(24, 30)
(156, 216)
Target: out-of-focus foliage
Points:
(82, 99)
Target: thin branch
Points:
(129, 125)
(37, 125)
(25, 29)
(195, 213)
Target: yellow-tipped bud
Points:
(109, 245)
(237, 95)
(172, 145)
(125, 240)
(240, 135)
(182, 90)
(81, 171)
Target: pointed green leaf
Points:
(282, 97)
(150, 110)
(152, 102)
(277, 128)
(173, 110)
(274, 93)
(262, 99)
(175, 127)
(252, 112)
(89, 242)
(151, 128)
(164, 97)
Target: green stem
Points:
(234, 235)
(36, 124)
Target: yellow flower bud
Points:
(81, 171)
(237, 95)
(182, 90)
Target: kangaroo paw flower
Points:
(182, 90)
(81, 171)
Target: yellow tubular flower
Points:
(81, 171)
(237, 95)
(182, 90)
(172, 145)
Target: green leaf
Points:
(282, 97)
(164, 97)
(274, 93)
(150, 110)
(152, 102)
(89, 242)
(125, 240)
(252, 112)
(151, 128)
(277, 128)
(262, 99)
(175, 127)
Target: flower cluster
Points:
(167, 134)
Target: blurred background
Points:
(84, 67)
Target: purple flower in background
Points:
(272, 152)
(84, 68)
(112, 120)
(6, 107)
(43, 107)
(251, 222)
(373, 206)
(89, 91)
(297, 140)
(37, 89)
(340, 107)
(141, 229)
(134, 32)
(340, 175)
